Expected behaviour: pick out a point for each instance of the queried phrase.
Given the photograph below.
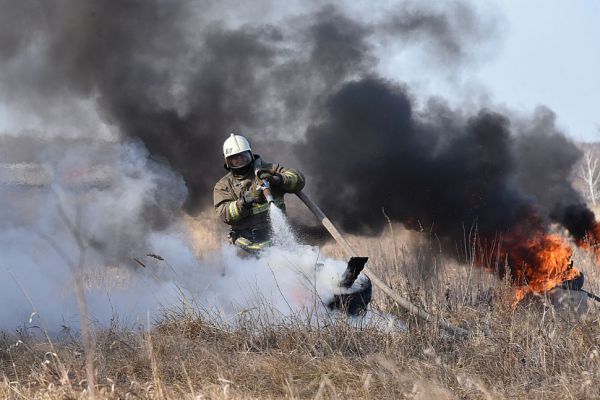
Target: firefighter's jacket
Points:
(230, 189)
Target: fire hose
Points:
(401, 301)
(590, 295)
(576, 284)
(577, 288)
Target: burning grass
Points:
(540, 263)
(591, 242)
(533, 350)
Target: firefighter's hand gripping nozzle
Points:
(266, 189)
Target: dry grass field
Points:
(533, 351)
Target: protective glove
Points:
(270, 176)
(250, 197)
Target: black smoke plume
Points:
(374, 152)
(438, 170)
(546, 158)
(181, 75)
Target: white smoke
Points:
(289, 278)
(291, 281)
(124, 210)
(108, 196)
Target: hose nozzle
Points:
(266, 188)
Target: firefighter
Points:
(240, 202)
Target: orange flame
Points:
(591, 241)
(540, 263)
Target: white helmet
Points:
(235, 144)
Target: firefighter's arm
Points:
(227, 207)
(293, 180)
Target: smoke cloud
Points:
(438, 170)
(116, 113)
(546, 158)
(95, 208)
(180, 78)
(135, 256)
(430, 172)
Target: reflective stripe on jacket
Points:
(252, 247)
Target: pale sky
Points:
(545, 53)
(550, 56)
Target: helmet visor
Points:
(239, 160)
